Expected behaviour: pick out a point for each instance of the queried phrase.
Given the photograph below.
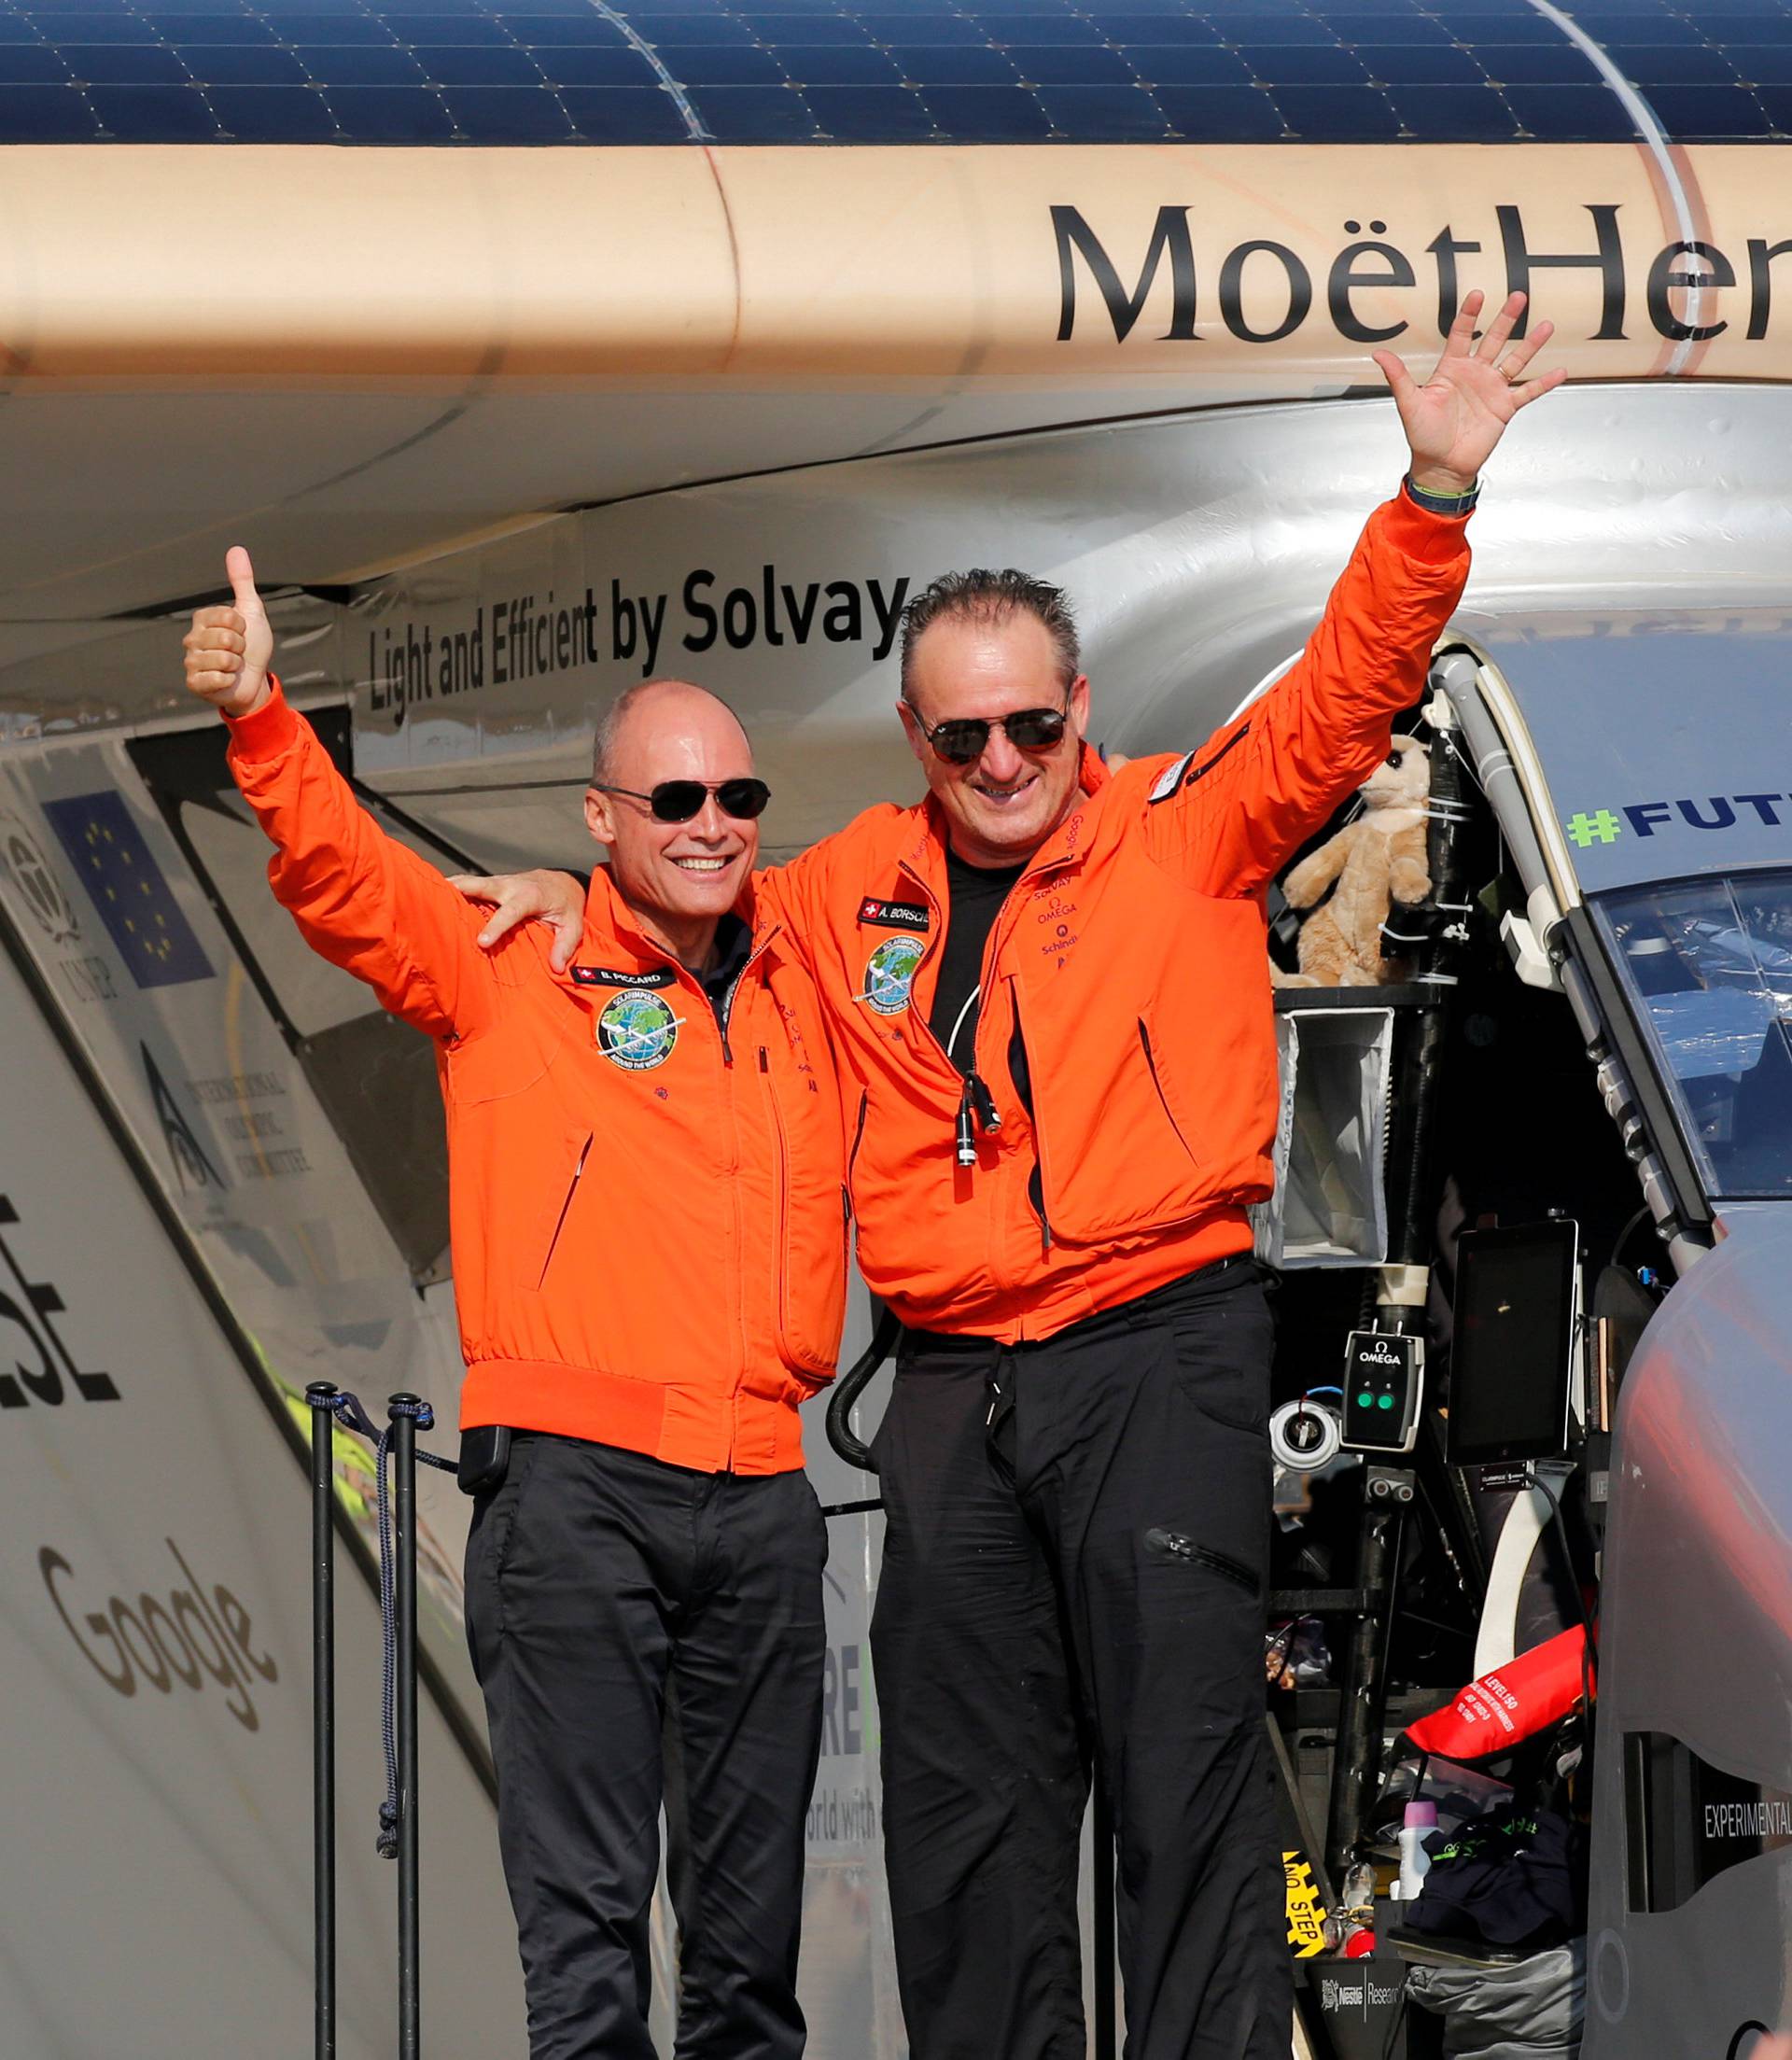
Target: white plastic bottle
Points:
(1419, 1822)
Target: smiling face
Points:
(677, 877)
(1001, 807)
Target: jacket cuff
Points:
(272, 729)
(1436, 539)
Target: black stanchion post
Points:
(1104, 1940)
(321, 1395)
(405, 1452)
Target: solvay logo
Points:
(889, 973)
(637, 1031)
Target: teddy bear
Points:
(1377, 859)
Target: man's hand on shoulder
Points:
(229, 649)
(552, 898)
(1455, 420)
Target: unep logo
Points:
(889, 973)
(637, 1031)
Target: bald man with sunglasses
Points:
(645, 1170)
(1048, 991)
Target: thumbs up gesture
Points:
(229, 649)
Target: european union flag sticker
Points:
(134, 900)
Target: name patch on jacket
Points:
(895, 914)
(602, 976)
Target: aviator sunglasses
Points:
(679, 800)
(961, 739)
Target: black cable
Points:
(1623, 1236)
(1589, 1662)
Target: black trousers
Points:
(644, 1632)
(1074, 1573)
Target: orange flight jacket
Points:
(1129, 960)
(648, 1219)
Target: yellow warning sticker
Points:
(1304, 1917)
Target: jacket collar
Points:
(613, 931)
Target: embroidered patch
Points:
(603, 976)
(637, 1031)
(895, 914)
(889, 973)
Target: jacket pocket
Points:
(506, 1061)
(1161, 1089)
(808, 1239)
(556, 1222)
(852, 1152)
(1172, 1545)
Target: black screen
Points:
(1512, 1343)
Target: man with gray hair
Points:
(1048, 991)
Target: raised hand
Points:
(229, 649)
(1454, 420)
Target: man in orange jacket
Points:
(1048, 991)
(649, 1245)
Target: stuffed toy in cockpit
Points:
(1377, 859)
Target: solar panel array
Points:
(818, 71)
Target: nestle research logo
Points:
(1588, 827)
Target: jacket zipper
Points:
(738, 1284)
(746, 965)
(781, 1214)
(976, 1104)
(852, 1156)
(1039, 1135)
(926, 952)
(1172, 1545)
(565, 1208)
(1231, 743)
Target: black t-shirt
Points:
(974, 897)
(733, 947)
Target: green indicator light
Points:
(1365, 1400)
(1387, 1401)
